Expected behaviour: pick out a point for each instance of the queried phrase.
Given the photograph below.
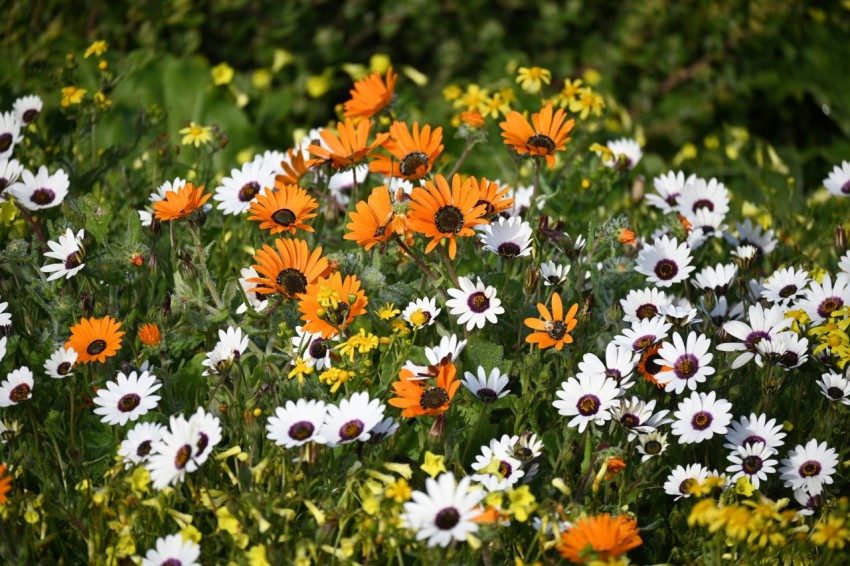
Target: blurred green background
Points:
(713, 74)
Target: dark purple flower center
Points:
(64, 368)
(144, 448)
(686, 366)
(478, 302)
(182, 457)
(588, 405)
(447, 518)
(828, 305)
(74, 260)
(509, 249)
(752, 439)
(129, 402)
(753, 338)
(249, 191)
(301, 430)
(5, 142)
(703, 203)
(29, 115)
(701, 420)
(666, 269)
(318, 349)
(629, 420)
(810, 468)
(203, 442)
(43, 196)
(487, 395)
(646, 311)
(752, 464)
(351, 430)
(643, 342)
(787, 291)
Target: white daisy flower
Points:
(745, 254)
(384, 430)
(701, 416)
(522, 200)
(271, 159)
(396, 184)
(487, 388)
(341, 183)
(352, 420)
(257, 301)
(9, 430)
(838, 182)
(16, 387)
(173, 550)
(231, 345)
(627, 154)
(27, 108)
(586, 400)
(752, 461)
(711, 195)
(421, 312)
(10, 133)
(764, 324)
(810, 466)
(10, 171)
(669, 186)
(643, 334)
(688, 362)
(526, 447)
(618, 366)
(553, 274)
(682, 480)
(2, 347)
(821, 299)
(448, 350)
(636, 416)
(835, 387)
(42, 190)
(60, 364)
(716, 278)
(788, 350)
(445, 511)
(5, 318)
(70, 253)
(497, 469)
(755, 428)
(474, 305)
(508, 237)
(705, 224)
(296, 424)
(722, 312)
(643, 304)
(206, 429)
(665, 262)
(843, 264)
(752, 235)
(237, 192)
(680, 316)
(136, 448)
(785, 286)
(165, 188)
(312, 348)
(171, 456)
(127, 398)
(652, 444)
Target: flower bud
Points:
(840, 240)
(532, 277)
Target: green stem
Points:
(538, 165)
(466, 149)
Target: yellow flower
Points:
(532, 78)
(379, 63)
(72, 95)
(361, 342)
(400, 327)
(222, 74)
(190, 533)
(301, 369)
(335, 377)
(434, 464)
(570, 91)
(703, 513)
(256, 556)
(328, 297)
(97, 49)
(282, 58)
(522, 503)
(101, 100)
(495, 105)
(399, 490)
(196, 135)
(592, 76)
(388, 311)
(452, 92)
(318, 85)
(831, 532)
(261, 79)
(586, 103)
(139, 480)
(744, 487)
(473, 99)
(603, 151)
(418, 318)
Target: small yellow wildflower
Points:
(603, 151)
(361, 342)
(507, 94)
(301, 369)
(261, 79)
(318, 85)
(736, 520)
(570, 91)
(196, 135)
(473, 99)
(72, 95)
(831, 532)
(335, 377)
(282, 58)
(744, 487)
(97, 49)
(418, 318)
(522, 503)
(222, 74)
(328, 297)
(256, 556)
(434, 464)
(494, 106)
(586, 103)
(703, 513)
(452, 92)
(101, 100)
(388, 311)
(399, 491)
(400, 327)
(531, 79)
(190, 533)
(103, 65)
(592, 76)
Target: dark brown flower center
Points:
(558, 330)
(447, 518)
(5, 142)
(43, 196)
(687, 485)
(20, 393)
(144, 448)
(588, 405)
(301, 430)
(182, 457)
(751, 464)
(433, 398)
(293, 281)
(509, 249)
(96, 347)
(666, 269)
(542, 141)
(835, 392)
(449, 219)
(412, 163)
(74, 260)
(652, 447)
(787, 291)
(810, 468)
(629, 420)
(487, 395)
(172, 562)
(249, 191)
(478, 302)
(64, 368)
(351, 429)
(646, 311)
(284, 217)
(380, 231)
(29, 115)
(128, 402)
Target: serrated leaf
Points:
(481, 352)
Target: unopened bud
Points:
(87, 302)
(638, 187)
(840, 240)
(166, 304)
(532, 277)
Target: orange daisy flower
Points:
(149, 334)
(5, 484)
(370, 223)
(180, 203)
(548, 135)
(350, 147)
(439, 212)
(370, 95)
(294, 169)
(554, 329)
(418, 398)
(330, 304)
(289, 269)
(95, 339)
(648, 365)
(600, 537)
(492, 198)
(284, 210)
(413, 155)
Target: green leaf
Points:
(482, 352)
